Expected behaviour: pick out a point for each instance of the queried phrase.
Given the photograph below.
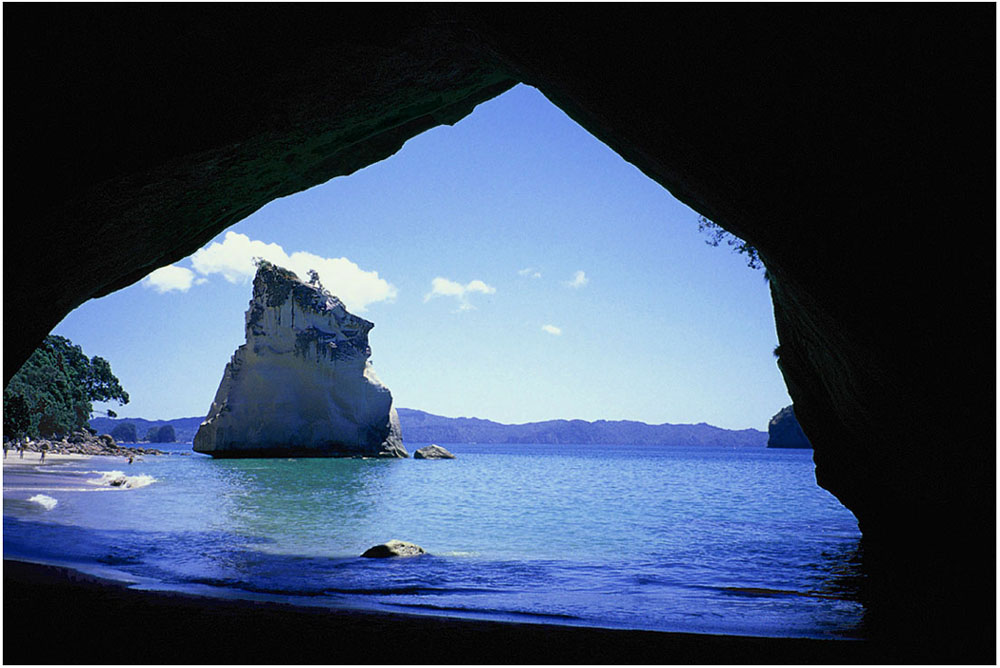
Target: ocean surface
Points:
(704, 540)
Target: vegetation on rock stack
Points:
(51, 394)
(164, 434)
(125, 433)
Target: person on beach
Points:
(5, 446)
(21, 447)
(42, 457)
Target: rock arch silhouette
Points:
(852, 146)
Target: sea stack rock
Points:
(302, 385)
(783, 431)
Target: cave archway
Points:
(853, 149)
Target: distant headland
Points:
(421, 427)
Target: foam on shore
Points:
(120, 480)
(44, 501)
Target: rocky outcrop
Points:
(432, 452)
(393, 548)
(125, 431)
(184, 428)
(302, 384)
(85, 443)
(164, 434)
(783, 431)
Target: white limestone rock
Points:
(302, 385)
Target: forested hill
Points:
(421, 427)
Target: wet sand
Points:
(63, 616)
(13, 461)
(23, 478)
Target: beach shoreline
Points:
(77, 443)
(32, 459)
(94, 618)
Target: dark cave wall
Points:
(855, 150)
(854, 146)
(138, 135)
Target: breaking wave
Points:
(44, 501)
(120, 480)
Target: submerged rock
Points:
(302, 384)
(784, 431)
(432, 452)
(394, 548)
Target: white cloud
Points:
(551, 329)
(233, 259)
(447, 288)
(530, 272)
(170, 278)
(579, 280)
(479, 286)
(442, 286)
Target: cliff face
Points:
(784, 431)
(302, 384)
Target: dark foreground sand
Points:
(57, 615)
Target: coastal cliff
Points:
(783, 431)
(302, 384)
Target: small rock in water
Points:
(394, 548)
(120, 481)
(432, 452)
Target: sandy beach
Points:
(13, 460)
(32, 476)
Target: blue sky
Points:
(515, 268)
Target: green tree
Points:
(57, 385)
(102, 385)
(16, 416)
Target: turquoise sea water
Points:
(705, 540)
